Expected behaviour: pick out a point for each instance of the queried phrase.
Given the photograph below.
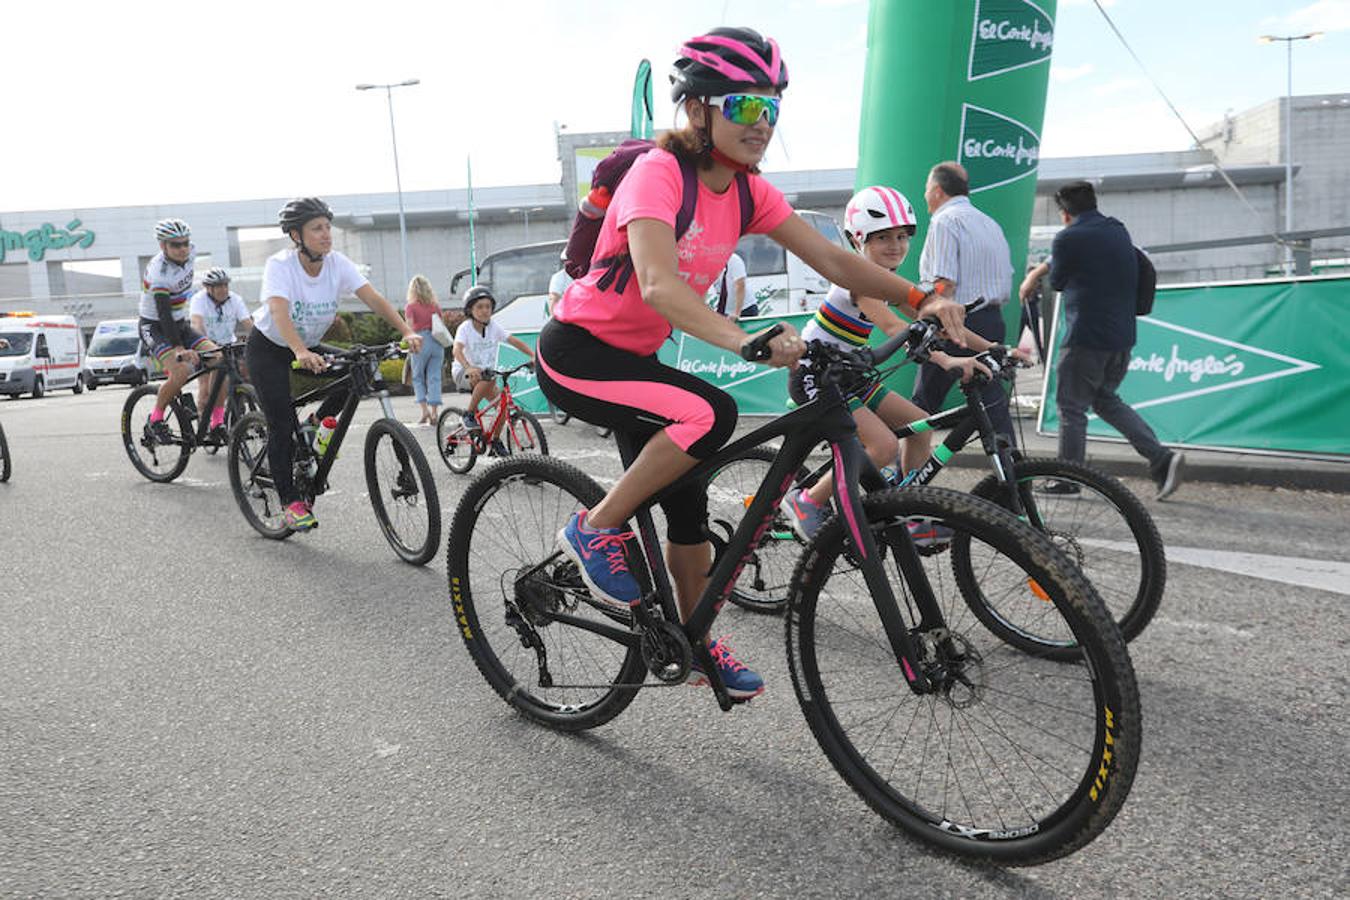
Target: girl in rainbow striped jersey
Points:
(879, 222)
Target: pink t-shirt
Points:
(651, 190)
(419, 315)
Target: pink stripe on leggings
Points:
(692, 416)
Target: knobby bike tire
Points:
(458, 448)
(1103, 499)
(763, 583)
(251, 483)
(505, 525)
(411, 493)
(1083, 718)
(5, 466)
(160, 463)
(531, 439)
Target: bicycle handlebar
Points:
(360, 352)
(507, 373)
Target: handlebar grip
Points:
(757, 348)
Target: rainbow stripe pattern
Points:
(842, 326)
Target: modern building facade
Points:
(88, 262)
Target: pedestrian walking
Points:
(1093, 263)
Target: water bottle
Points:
(324, 434)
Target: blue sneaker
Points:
(928, 534)
(805, 515)
(599, 554)
(741, 683)
(470, 422)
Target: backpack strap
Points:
(619, 268)
(747, 201)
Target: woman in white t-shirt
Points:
(300, 291)
(475, 349)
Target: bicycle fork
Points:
(848, 466)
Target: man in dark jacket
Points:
(1093, 264)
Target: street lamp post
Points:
(398, 181)
(1289, 136)
(517, 209)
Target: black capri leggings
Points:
(640, 396)
(269, 367)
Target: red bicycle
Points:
(501, 428)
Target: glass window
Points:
(828, 227)
(19, 343)
(762, 255)
(113, 345)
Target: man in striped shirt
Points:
(966, 257)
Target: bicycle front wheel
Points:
(526, 433)
(508, 582)
(251, 480)
(1099, 524)
(1012, 757)
(458, 445)
(5, 466)
(402, 491)
(160, 459)
(763, 584)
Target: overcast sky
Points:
(130, 103)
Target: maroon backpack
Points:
(591, 213)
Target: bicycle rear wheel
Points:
(1014, 758)
(158, 460)
(763, 584)
(458, 446)
(1103, 528)
(251, 480)
(507, 581)
(402, 491)
(526, 433)
(5, 467)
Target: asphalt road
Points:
(187, 709)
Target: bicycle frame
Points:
(826, 418)
(228, 367)
(503, 406)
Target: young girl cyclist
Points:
(475, 349)
(879, 222)
(597, 357)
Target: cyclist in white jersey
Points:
(879, 222)
(216, 312)
(300, 291)
(163, 325)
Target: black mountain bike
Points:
(5, 466)
(986, 747)
(189, 428)
(1097, 521)
(398, 477)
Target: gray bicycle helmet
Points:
(171, 229)
(295, 214)
(476, 293)
(214, 276)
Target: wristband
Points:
(916, 296)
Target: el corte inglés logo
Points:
(995, 149)
(1008, 35)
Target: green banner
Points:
(640, 121)
(1249, 366)
(980, 102)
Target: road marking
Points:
(1318, 574)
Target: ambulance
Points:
(117, 356)
(39, 353)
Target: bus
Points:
(518, 277)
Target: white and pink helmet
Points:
(877, 208)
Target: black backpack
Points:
(1147, 285)
(591, 213)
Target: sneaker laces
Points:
(612, 546)
(722, 656)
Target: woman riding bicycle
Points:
(300, 291)
(597, 356)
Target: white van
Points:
(776, 280)
(117, 356)
(44, 353)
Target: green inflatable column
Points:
(960, 80)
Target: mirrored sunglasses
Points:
(747, 109)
